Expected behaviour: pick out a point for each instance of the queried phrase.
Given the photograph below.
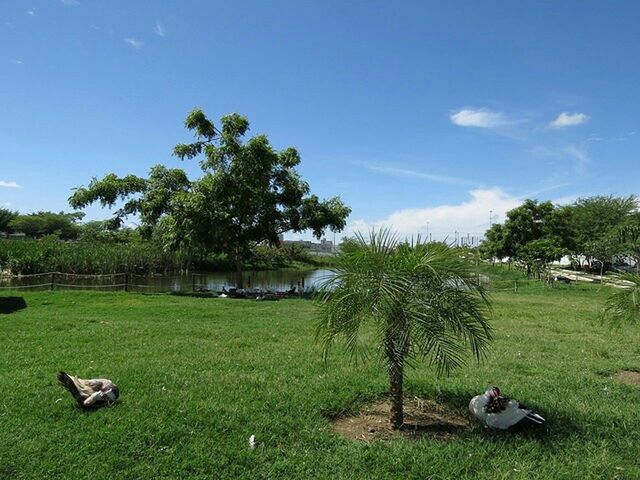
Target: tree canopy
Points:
(6, 216)
(249, 193)
(41, 224)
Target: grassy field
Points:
(198, 376)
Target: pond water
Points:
(278, 280)
(268, 280)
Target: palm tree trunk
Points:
(395, 385)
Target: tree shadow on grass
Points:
(11, 304)
(557, 425)
(443, 415)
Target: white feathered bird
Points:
(500, 412)
(89, 393)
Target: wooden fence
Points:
(116, 281)
(127, 282)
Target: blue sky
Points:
(420, 115)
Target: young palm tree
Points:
(422, 298)
(623, 306)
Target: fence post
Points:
(515, 286)
(53, 281)
(126, 282)
(193, 282)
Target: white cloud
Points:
(480, 118)
(577, 153)
(580, 155)
(471, 216)
(9, 184)
(134, 42)
(159, 29)
(16, 62)
(32, 11)
(566, 119)
(73, 3)
(402, 172)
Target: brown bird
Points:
(89, 393)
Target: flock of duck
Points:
(254, 293)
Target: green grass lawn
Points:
(198, 376)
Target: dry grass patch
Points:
(629, 377)
(423, 418)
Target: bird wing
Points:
(93, 398)
(531, 415)
(80, 389)
(508, 417)
(477, 407)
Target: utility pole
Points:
(490, 218)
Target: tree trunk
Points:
(239, 280)
(395, 383)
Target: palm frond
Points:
(422, 297)
(623, 306)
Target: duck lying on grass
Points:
(89, 393)
(502, 413)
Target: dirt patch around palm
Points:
(629, 377)
(423, 418)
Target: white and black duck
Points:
(502, 413)
(90, 393)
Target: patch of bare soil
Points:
(423, 418)
(629, 377)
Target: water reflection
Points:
(278, 280)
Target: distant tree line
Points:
(62, 242)
(63, 226)
(591, 231)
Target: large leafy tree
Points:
(538, 254)
(248, 194)
(594, 218)
(494, 245)
(422, 299)
(534, 221)
(628, 235)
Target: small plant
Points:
(423, 299)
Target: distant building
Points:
(325, 247)
(13, 236)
